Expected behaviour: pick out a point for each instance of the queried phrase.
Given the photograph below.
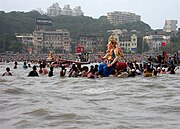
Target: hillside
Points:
(24, 22)
(21, 22)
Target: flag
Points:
(30, 50)
(166, 56)
(163, 44)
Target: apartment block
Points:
(25, 38)
(128, 43)
(77, 11)
(118, 17)
(126, 40)
(170, 26)
(55, 10)
(92, 43)
(51, 40)
(155, 42)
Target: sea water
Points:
(81, 103)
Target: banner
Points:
(79, 49)
(44, 21)
(163, 44)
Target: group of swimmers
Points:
(133, 69)
(41, 69)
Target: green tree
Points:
(139, 44)
(24, 22)
(9, 43)
(16, 46)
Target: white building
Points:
(67, 10)
(77, 11)
(25, 38)
(92, 43)
(118, 17)
(51, 40)
(155, 42)
(55, 10)
(170, 26)
(127, 41)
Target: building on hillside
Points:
(170, 26)
(54, 10)
(77, 11)
(127, 41)
(27, 41)
(25, 38)
(155, 42)
(67, 10)
(116, 33)
(51, 40)
(92, 44)
(118, 17)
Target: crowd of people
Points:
(146, 69)
(111, 66)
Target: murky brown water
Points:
(80, 103)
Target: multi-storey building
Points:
(77, 11)
(51, 40)
(155, 42)
(67, 10)
(117, 17)
(92, 43)
(127, 41)
(55, 10)
(170, 26)
(27, 41)
(25, 38)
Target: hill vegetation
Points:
(24, 22)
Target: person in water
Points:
(25, 65)
(29, 65)
(15, 65)
(91, 72)
(43, 70)
(33, 73)
(111, 58)
(63, 71)
(147, 71)
(72, 69)
(172, 69)
(51, 72)
(7, 73)
(84, 72)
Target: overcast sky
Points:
(152, 12)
